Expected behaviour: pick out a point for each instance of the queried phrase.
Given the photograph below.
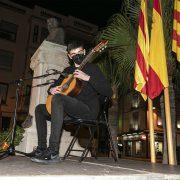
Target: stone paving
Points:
(21, 168)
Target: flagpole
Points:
(169, 127)
(151, 131)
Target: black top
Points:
(97, 85)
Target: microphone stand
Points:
(11, 149)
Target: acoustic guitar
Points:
(71, 86)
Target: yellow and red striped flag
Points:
(142, 52)
(157, 73)
(176, 29)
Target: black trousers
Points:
(60, 106)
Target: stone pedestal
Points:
(48, 56)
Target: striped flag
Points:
(142, 52)
(176, 29)
(157, 74)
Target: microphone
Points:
(50, 81)
(55, 71)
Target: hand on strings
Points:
(55, 90)
(81, 75)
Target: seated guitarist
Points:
(85, 105)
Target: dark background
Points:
(94, 11)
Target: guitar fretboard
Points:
(86, 60)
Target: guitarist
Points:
(85, 105)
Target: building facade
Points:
(22, 30)
(134, 139)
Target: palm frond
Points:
(121, 32)
(167, 10)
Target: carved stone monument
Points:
(50, 55)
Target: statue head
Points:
(56, 33)
(52, 23)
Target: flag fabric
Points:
(142, 52)
(176, 29)
(157, 72)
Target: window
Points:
(134, 123)
(128, 148)
(135, 120)
(8, 31)
(159, 121)
(35, 33)
(3, 92)
(6, 123)
(159, 148)
(138, 147)
(6, 60)
(27, 95)
(135, 100)
(178, 124)
(44, 34)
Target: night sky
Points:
(94, 11)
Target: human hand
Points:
(81, 75)
(55, 90)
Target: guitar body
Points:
(73, 89)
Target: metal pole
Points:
(169, 127)
(151, 131)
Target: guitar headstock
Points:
(101, 46)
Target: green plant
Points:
(6, 136)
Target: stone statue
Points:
(56, 33)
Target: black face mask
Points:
(78, 58)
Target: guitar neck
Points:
(86, 60)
